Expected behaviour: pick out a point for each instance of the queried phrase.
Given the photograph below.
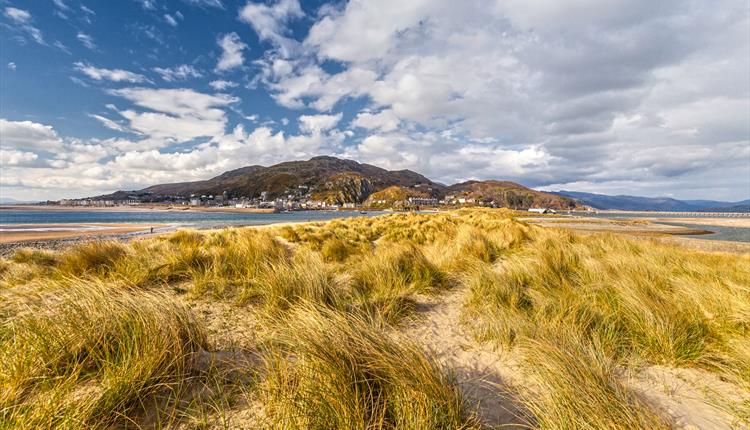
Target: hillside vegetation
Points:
(302, 326)
(337, 181)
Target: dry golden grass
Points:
(349, 373)
(95, 335)
(90, 355)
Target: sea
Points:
(206, 220)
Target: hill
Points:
(338, 181)
(328, 179)
(507, 194)
(395, 195)
(667, 204)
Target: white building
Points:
(542, 210)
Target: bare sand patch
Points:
(692, 398)
(483, 374)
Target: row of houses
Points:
(97, 203)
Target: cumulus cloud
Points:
(29, 136)
(83, 168)
(178, 73)
(269, 21)
(383, 121)
(318, 123)
(616, 96)
(12, 66)
(545, 77)
(231, 55)
(14, 158)
(114, 75)
(175, 115)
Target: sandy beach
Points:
(135, 208)
(630, 226)
(718, 222)
(38, 232)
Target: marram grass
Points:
(349, 373)
(87, 357)
(93, 335)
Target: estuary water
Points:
(11, 217)
(40, 217)
(736, 234)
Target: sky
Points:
(636, 97)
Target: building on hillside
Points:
(542, 210)
(423, 201)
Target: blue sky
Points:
(613, 96)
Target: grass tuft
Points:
(333, 370)
(92, 354)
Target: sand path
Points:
(481, 372)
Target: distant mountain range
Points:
(339, 181)
(10, 201)
(666, 204)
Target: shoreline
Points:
(70, 238)
(22, 233)
(138, 208)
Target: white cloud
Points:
(383, 121)
(86, 40)
(268, 21)
(20, 16)
(61, 46)
(210, 3)
(87, 10)
(108, 123)
(169, 20)
(557, 77)
(221, 85)
(22, 19)
(178, 73)
(148, 4)
(617, 95)
(61, 8)
(12, 157)
(28, 135)
(114, 75)
(177, 115)
(318, 123)
(231, 55)
(12, 66)
(61, 4)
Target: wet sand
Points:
(718, 222)
(13, 233)
(134, 208)
(649, 228)
(630, 226)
